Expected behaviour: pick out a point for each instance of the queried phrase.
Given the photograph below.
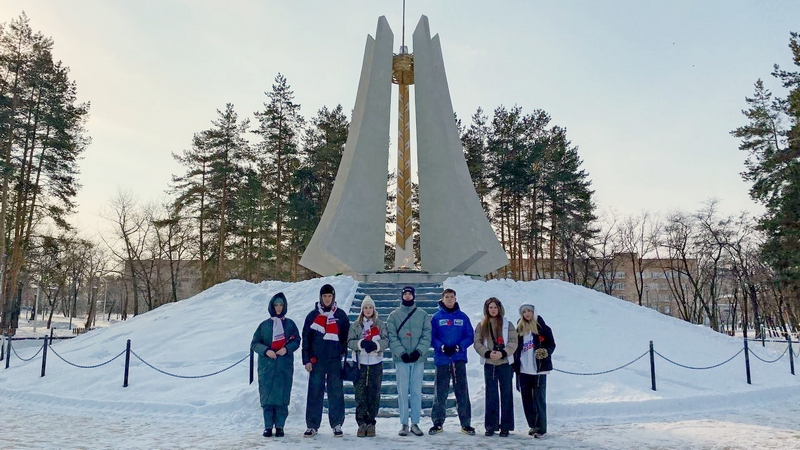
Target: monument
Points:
(455, 235)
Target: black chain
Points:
(26, 360)
(188, 376)
(699, 368)
(604, 372)
(85, 367)
(769, 362)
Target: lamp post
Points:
(74, 300)
(647, 294)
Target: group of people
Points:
(409, 332)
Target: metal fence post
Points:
(127, 362)
(3, 349)
(652, 367)
(252, 361)
(747, 361)
(791, 355)
(44, 355)
(8, 351)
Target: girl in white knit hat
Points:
(368, 339)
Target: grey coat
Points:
(415, 334)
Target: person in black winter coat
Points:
(324, 344)
(532, 364)
(275, 342)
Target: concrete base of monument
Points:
(410, 276)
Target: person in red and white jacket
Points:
(533, 363)
(368, 339)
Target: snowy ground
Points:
(89, 408)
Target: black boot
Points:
(267, 432)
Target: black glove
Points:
(414, 356)
(449, 350)
(369, 346)
(406, 359)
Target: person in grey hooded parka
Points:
(275, 342)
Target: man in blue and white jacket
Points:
(451, 336)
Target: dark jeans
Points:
(499, 397)
(458, 372)
(368, 393)
(275, 415)
(534, 400)
(325, 376)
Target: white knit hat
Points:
(367, 302)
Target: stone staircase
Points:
(387, 298)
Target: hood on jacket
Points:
(279, 297)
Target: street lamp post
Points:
(647, 294)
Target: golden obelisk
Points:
(403, 76)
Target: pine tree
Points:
(279, 126)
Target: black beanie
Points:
(327, 289)
(413, 295)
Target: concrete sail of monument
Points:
(455, 235)
(351, 233)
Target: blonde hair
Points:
(360, 319)
(527, 326)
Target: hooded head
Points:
(501, 312)
(327, 289)
(409, 289)
(278, 298)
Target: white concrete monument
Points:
(455, 235)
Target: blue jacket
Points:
(450, 328)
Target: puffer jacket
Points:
(450, 328)
(354, 342)
(275, 375)
(415, 334)
(483, 343)
(542, 340)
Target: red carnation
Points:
(541, 338)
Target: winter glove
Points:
(414, 356)
(406, 359)
(449, 350)
(541, 353)
(369, 346)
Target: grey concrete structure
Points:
(350, 235)
(455, 235)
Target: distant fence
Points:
(8, 350)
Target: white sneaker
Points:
(337, 431)
(310, 432)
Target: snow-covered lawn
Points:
(89, 408)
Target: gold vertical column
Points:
(403, 76)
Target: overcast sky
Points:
(648, 90)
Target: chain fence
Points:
(29, 359)
(187, 376)
(699, 368)
(605, 371)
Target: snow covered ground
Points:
(89, 408)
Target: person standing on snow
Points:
(368, 338)
(496, 341)
(275, 342)
(325, 334)
(451, 336)
(532, 364)
(409, 339)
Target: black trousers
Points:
(534, 400)
(325, 376)
(458, 372)
(368, 393)
(499, 397)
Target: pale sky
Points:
(648, 90)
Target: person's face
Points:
(327, 299)
(278, 308)
(408, 296)
(527, 315)
(368, 311)
(493, 309)
(449, 299)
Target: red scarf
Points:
(370, 331)
(326, 324)
(278, 336)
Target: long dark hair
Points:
(497, 323)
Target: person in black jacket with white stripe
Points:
(533, 363)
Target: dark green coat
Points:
(275, 375)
